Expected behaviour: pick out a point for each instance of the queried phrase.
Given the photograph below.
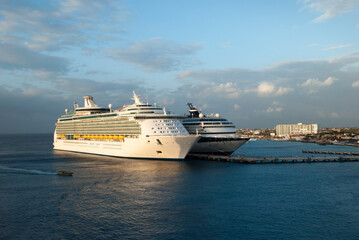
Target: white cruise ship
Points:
(218, 135)
(135, 131)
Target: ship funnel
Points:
(89, 102)
(193, 111)
(137, 99)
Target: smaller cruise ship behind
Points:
(218, 135)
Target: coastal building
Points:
(295, 129)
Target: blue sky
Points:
(258, 63)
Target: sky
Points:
(258, 63)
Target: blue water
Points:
(288, 149)
(114, 198)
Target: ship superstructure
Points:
(218, 135)
(140, 130)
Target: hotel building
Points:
(295, 129)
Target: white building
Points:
(295, 129)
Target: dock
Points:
(254, 160)
(330, 152)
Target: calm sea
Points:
(114, 198)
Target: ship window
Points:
(159, 153)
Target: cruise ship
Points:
(218, 135)
(140, 130)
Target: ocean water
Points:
(115, 198)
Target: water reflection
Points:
(132, 192)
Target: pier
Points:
(330, 152)
(253, 160)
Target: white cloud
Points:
(330, 8)
(266, 89)
(329, 81)
(227, 90)
(273, 109)
(337, 47)
(282, 91)
(314, 82)
(355, 84)
(236, 107)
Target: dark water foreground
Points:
(113, 198)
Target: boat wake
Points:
(26, 171)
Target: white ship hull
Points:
(168, 147)
(212, 145)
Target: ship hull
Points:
(156, 147)
(214, 145)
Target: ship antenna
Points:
(76, 105)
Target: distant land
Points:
(336, 136)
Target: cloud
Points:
(337, 47)
(227, 90)
(273, 109)
(296, 69)
(355, 84)
(331, 8)
(95, 72)
(52, 25)
(82, 86)
(266, 89)
(236, 107)
(227, 45)
(44, 74)
(40, 109)
(281, 91)
(316, 83)
(185, 74)
(334, 115)
(16, 57)
(42, 105)
(282, 85)
(156, 54)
